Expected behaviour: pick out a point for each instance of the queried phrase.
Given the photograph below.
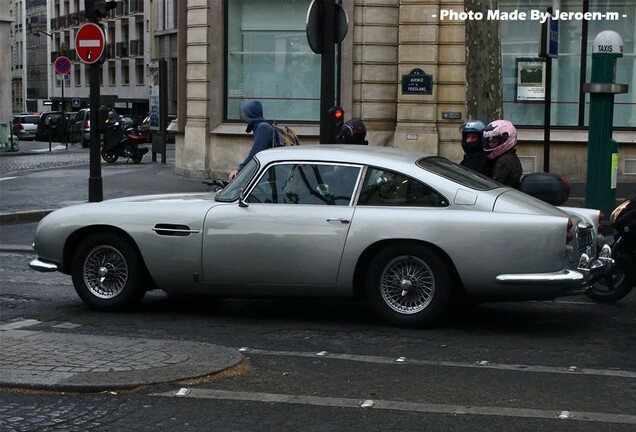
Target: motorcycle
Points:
(123, 142)
(622, 279)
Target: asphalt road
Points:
(309, 365)
(313, 365)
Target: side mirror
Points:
(242, 202)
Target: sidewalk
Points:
(59, 361)
(35, 356)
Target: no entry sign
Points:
(90, 42)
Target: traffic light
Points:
(97, 9)
(337, 116)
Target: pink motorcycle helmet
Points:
(499, 137)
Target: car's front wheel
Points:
(408, 285)
(108, 272)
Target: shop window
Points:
(269, 59)
(523, 100)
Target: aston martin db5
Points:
(408, 233)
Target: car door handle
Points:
(341, 220)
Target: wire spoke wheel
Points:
(105, 272)
(108, 272)
(407, 284)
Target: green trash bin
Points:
(8, 141)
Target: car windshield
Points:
(457, 173)
(233, 189)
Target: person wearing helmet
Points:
(474, 156)
(500, 138)
(353, 132)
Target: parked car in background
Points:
(25, 126)
(48, 127)
(81, 127)
(132, 121)
(145, 129)
(409, 233)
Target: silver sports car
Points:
(408, 233)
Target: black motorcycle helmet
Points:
(353, 132)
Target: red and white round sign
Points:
(90, 42)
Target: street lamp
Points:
(37, 33)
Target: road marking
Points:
(19, 324)
(420, 407)
(479, 364)
(7, 178)
(57, 147)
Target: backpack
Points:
(283, 136)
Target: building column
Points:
(192, 149)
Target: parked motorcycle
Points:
(120, 142)
(623, 243)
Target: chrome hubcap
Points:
(105, 272)
(407, 285)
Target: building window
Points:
(519, 51)
(77, 75)
(269, 59)
(166, 15)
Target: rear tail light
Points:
(87, 123)
(601, 218)
(569, 236)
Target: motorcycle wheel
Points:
(108, 156)
(130, 151)
(617, 285)
(138, 157)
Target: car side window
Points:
(316, 184)
(387, 188)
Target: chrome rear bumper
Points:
(588, 272)
(42, 266)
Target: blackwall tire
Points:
(108, 156)
(108, 273)
(408, 285)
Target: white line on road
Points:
(7, 178)
(479, 364)
(420, 407)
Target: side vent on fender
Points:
(174, 230)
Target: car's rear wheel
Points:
(108, 272)
(408, 285)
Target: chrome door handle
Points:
(341, 220)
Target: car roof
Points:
(359, 154)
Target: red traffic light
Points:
(337, 115)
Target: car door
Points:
(292, 230)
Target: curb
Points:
(23, 216)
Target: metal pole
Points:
(547, 112)
(327, 71)
(95, 186)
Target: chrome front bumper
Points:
(588, 272)
(42, 266)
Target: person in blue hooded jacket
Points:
(252, 114)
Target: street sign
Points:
(63, 77)
(62, 65)
(75, 103)
(90, 42)
(314, 26)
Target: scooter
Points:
(125, 143)
(623, 243)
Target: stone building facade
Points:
(387, 40)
